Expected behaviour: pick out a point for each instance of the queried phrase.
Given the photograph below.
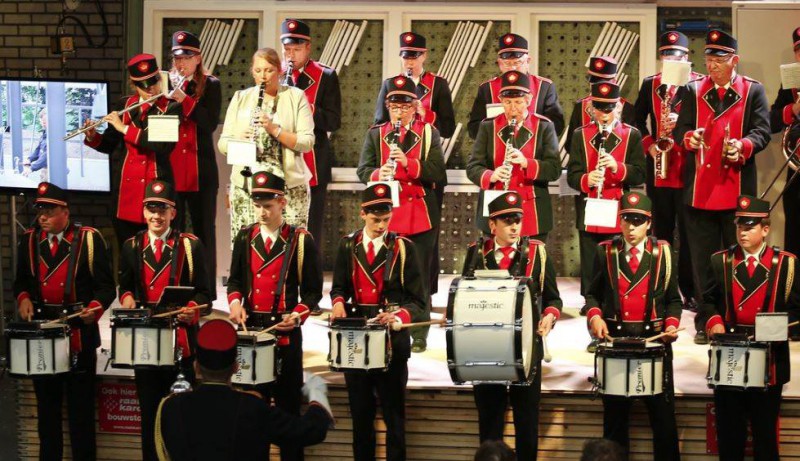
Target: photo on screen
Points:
(35, 117)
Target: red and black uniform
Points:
(544, 102)
(624, 143)
(639, 304)
(781, 117)
(143, 275)
(269, 282)
(194, 163)
(528, 259)
(536, 139)
(433, 93)
(321, 86)
(135, 162)
(419, 211)
(711, 183)
(735, 293)
(59, 277)
(367, 289)
(666, 193)
(582, 115)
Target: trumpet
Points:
(390, 161)
(664, 143)
(94, 125)
(605, 131)
(509, 149)
(255, 120)
(287, 78)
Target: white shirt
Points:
(639, 254)
(756, 255)
(417, 78)
(267, 234)
(498, 254)
(59, 236)
(152, 237)
(727, 85)
(377, 242)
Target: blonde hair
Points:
(269, 55)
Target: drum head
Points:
(528, 333)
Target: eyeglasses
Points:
(718, 59)
(400, 107)
(181, 58)
(512, 61)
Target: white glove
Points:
(316, 390)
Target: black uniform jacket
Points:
(441, 104)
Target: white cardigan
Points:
(293, 114)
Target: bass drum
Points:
(491, 330)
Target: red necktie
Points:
(268, 245)
(634, 261)
(403, 131)
(721, 93)
(370, 253)
(751, 266)
(295, 76)
(505, 261)
(54, 245)
(159, 249)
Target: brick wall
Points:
(25, 30)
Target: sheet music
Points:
(162, 128)
(675, 73)
(790, 75)
(493, 110)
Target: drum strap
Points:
(477, 260)
(37, 254)
(287, 257)
(138, 245)
(523, 248)
(774, 280)
(612, 262)
(247, 260)
(654, 255)
(727, 276)
(73, 256)
(391, 239)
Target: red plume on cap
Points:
(292, 25)
(144, 66)
(513, 78)
(261, 180)
(399, 81)
(672, 38)
(181, 37)
(605, 89)
(508, 39)
(157, 187)
(714, 36)
(599, 64)
(380, 191)
(511, 199)
(42, 188)
(744, 202)
(408, 38)
(633, 199)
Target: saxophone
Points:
(509, 149)
(390, 161)
(664, 143)
(255, 121)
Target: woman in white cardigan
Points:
(283, 132)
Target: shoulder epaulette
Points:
(489, 81)
(787, 254)
(751, 80)
(188, 236)
(606, 242)
(541, 117)
(378, 125)
(536, 242)
(29, 230)
(89, 229)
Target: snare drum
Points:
(736, 362)
(256, 356)
(356, 345)
(490, 331)
(34, 350)
(629, 371)
(141, 341)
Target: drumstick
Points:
(609, 338)
(71, 316)
(294, 315)
(547, 357)
(661, 335)
(397, 326)
(178, 311)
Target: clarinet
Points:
(287, 78)
(605, 131)
(509, 149)
(255, 117)
(409, 74)
(391, 162)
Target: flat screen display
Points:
(35, 116)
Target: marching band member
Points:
(746, 279)
(601, 69)
(62, 265)
(656, 100)
(785, 112)
(414, 148)
(512, 54)
(614, 173)
(723, 124)
(522, 257)
(194, 161)
(361, 288)
(275, 272)
(135, 160)
(634, 293)
(282, 127)
(216, 421)
(321, 86)
(154, 259)
(518, 151)
(434, 105)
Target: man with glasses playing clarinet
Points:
(64, 268)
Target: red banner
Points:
(118, 408)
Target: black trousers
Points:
(316, 214)
(390, 388)
(492, 401)
(287, 389)
(588, 247)
(202, 208)
(79, 385)
(437, 227)
(425, 243)
(734, 409)
(152, 385)
(791, 211)
(125, 230)
(669, 213)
